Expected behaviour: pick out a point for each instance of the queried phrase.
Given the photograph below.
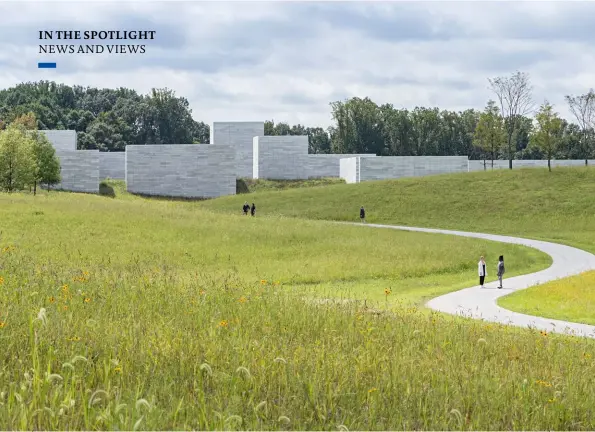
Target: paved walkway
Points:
(479, 303)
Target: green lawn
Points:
(569, 299)
(126, 312)
(557, 206)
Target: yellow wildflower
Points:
(75, 339)
(1, 280)
(372, 390)
(263, 282)
(242, 299)
(387, 291)
(2, 324)
(223, 323)
(65, 288)
(87, 300)
(52, 299)
(118, 369)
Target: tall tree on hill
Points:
(173, 122)
(17, 165)
(548, 131)
(319, 141)
(47, 166)
(489, 133)
(583, 109)
(358, 127)
(514, 94)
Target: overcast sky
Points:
(287, 60)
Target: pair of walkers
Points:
(483, 272)
(246, 208)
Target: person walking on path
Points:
(501, 270)
(481, 268)
(253, 209)
(246, 208)
(362, 214)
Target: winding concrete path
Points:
(479, 303)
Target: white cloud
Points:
(287, 61)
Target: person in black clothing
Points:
(501, 270)
(253, 209)
(246, 207)
(362, 214)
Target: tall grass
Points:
(135, 314)
(67, 231)
(151, 349)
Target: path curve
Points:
(479, 303)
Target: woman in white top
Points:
(481, 268)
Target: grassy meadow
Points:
(129, 313)
(556, 206)
(569, 299)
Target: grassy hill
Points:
(125, 312)
(557, 206)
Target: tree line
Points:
(105, 119)
(511, 126)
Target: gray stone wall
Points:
(79, 170)
(390, 167)
(477, 165)
(240, 136)
(181, 170)
(112, 165)
(280, 157)
(62, 140)
(349, 169)
(387, 167)
(328, 165)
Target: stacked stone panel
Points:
(79, 171)
(112, 165)
(181, 170)
(240, 135)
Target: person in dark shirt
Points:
(362, 214)
(501, 270)
(253, 209)
(246, 208)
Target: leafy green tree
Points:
(548, 131)
(47, 164)
(17, 165)
(489, 132)
(319, 140)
